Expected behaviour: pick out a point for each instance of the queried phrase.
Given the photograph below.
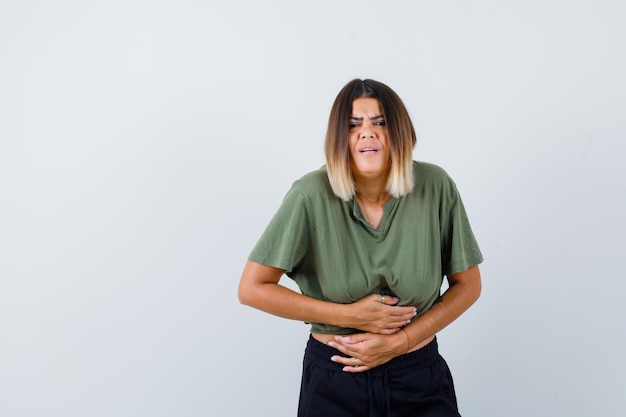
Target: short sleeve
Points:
(459, 249)
(284, 242)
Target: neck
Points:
(372, 192)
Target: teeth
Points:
(367, 149)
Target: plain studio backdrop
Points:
(144, 146)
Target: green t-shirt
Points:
(328, 248)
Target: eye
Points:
(380, 123)
(353, 125)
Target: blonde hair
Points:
(400, 132)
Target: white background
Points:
(144, 146)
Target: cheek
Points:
(352, 144)
(385, 142)
(352, 156)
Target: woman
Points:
(368, 239)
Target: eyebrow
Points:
(380, 116)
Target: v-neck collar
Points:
(388, 213)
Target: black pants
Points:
(416, 384)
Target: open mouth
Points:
(365, 150)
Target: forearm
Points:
(284, 302)
(463, 291)
(259, 288)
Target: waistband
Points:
(418, 358)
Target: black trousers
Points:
(418, 384)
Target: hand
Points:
(379, 314)
(366, 350)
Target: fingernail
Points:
(396, 299)
(334, 359)
(331, 344)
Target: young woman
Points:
(369, 238)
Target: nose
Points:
(366, 132)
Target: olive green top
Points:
(333, 254)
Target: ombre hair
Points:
(400, 133)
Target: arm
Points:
(373, 350)
(259, 288)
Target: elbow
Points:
(252, 283)
(468, 283)
(245, 288)
(477, 286)
(477, 292)
(248, 293)
(243, 294)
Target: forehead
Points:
(366, 106)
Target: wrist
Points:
(343, 315)
(406, 340)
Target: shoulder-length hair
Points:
(400, 132)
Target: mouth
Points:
(368, 149)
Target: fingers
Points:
(352, 364)
(380, 314)
(390, 321)
(392, 301)
(356, 350)
(389, 331)
(387, 299)
(401, 316)
(349, 345)
(352, 345)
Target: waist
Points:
(422, 357)
(325, 338)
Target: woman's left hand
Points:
(367, 350)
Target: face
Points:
(369, 145)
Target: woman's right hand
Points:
(379, 314)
